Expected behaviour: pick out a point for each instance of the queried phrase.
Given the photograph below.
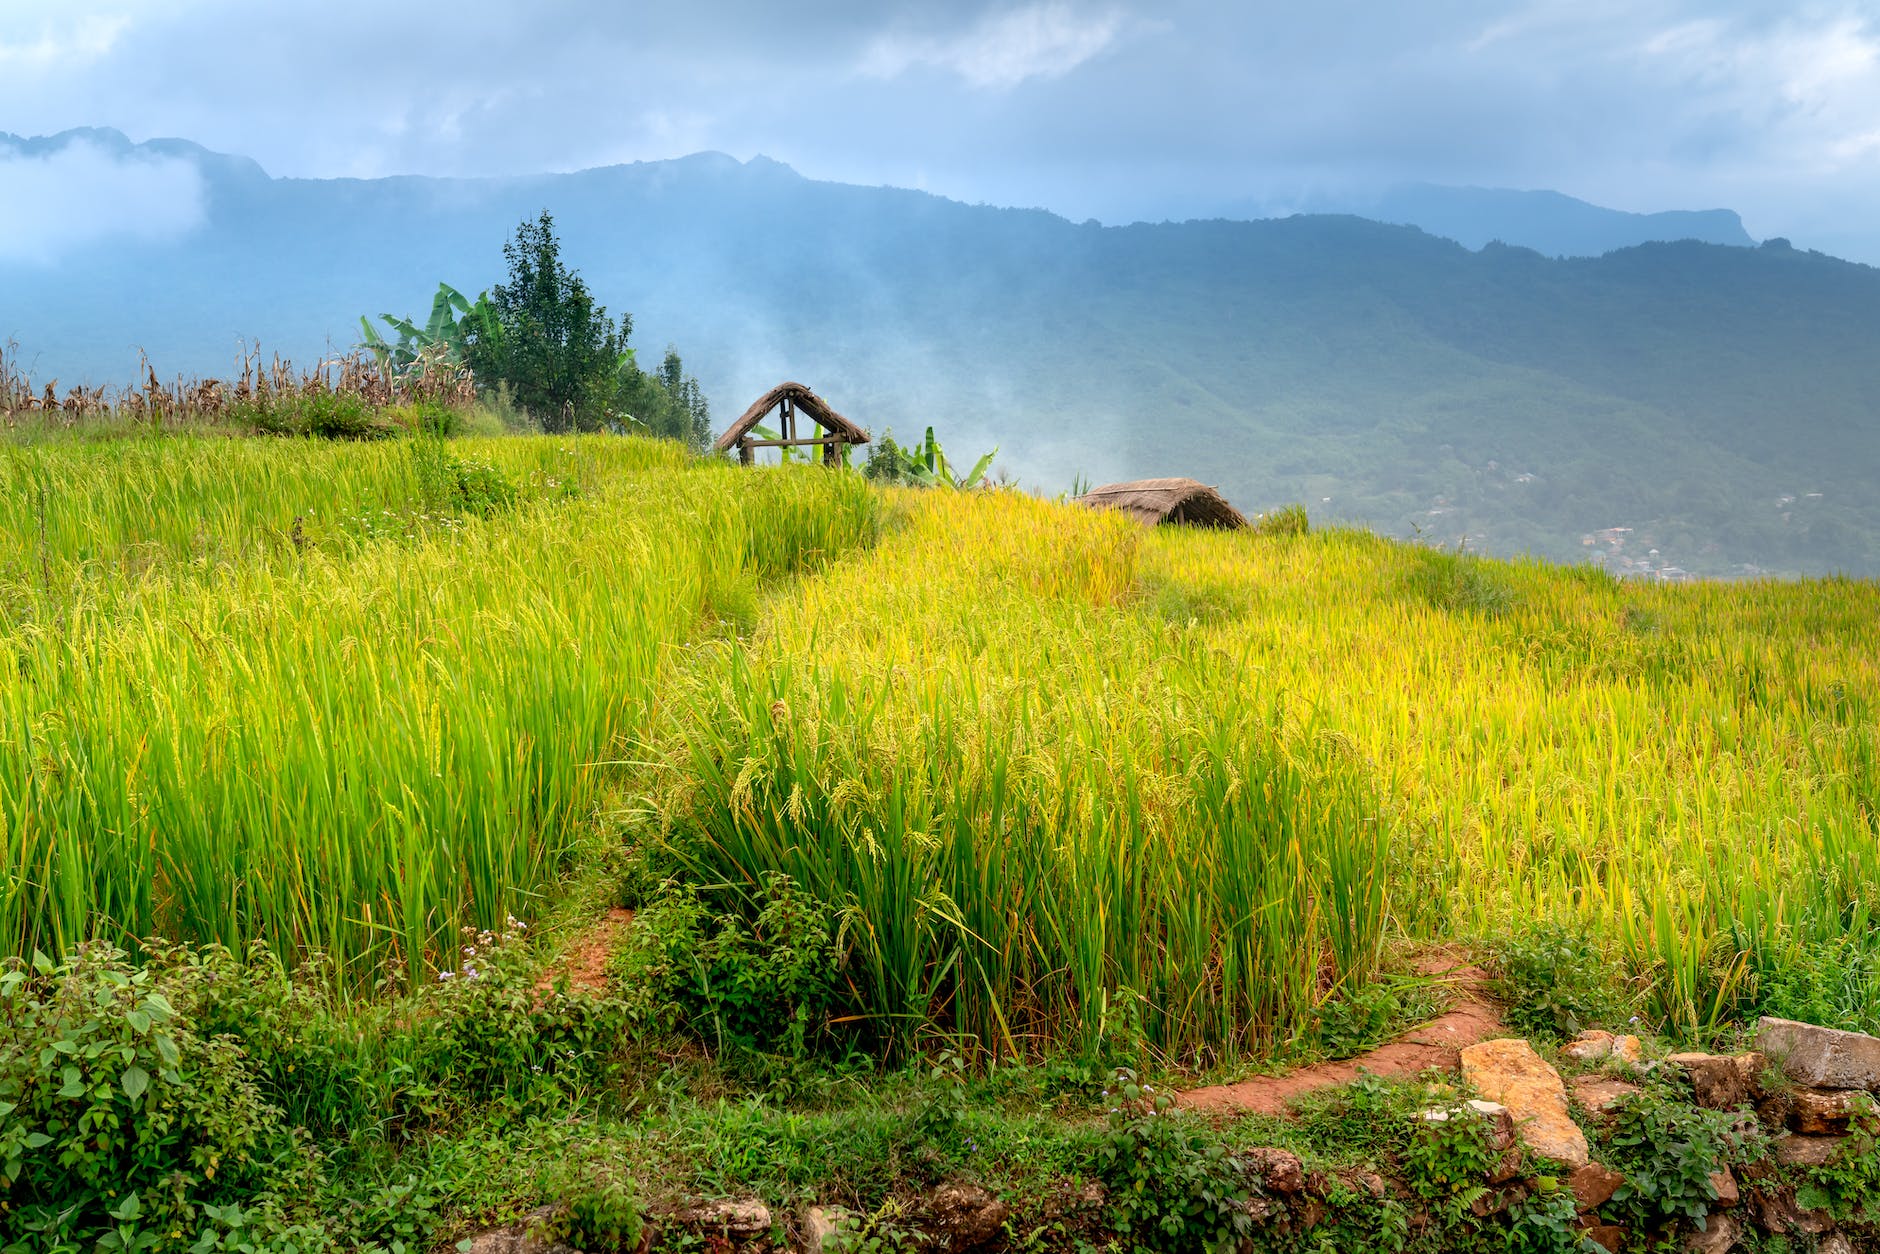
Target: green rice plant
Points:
(1037, 810)
(221, 721)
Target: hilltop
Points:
(1694, 406)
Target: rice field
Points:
(1070, 775)
(282, 690)
(1063, 780)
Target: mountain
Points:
(1548, 222)
(1717, 401)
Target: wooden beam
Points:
(834, 439)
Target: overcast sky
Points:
(1115, 109)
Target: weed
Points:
(1554, 980)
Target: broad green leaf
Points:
(134, 1082)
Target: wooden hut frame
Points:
(791, 399)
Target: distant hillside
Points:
(1717, 401)
(1548, 222)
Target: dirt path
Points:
(1473, 1017)
(585, 961)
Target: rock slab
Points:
(1822, 1058)
(1508, 1071)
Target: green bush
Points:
(1287, 520)
(448, 484)
(768, 982)
(1555, 981)
(1170, 1188)
(121, 1127)
(1848, 1186)
(1668, 1151)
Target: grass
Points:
(1057, 793)
(1067, 782)
(268, 690)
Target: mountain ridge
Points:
(1496, 398)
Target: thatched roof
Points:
(1184, 502)
(806, 402)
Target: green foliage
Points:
(1834, 982)
(448, 484)
(1555, 981)
(599, 1209)
(924, 465)
(324, 415)
(1848, 1186)
(1462, 583)
(1359, 1018)
(1287, 520)
(760, 974)
(1668, 1151)
(445, 338)
(1544, 1223)
(1448, 1158)
(1170, 1187)
(119, 1123)
(667, 403)
(556, 349)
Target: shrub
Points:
(1848, 1186)
(1287, 520)
(122, 1126)
(767, 983)
(1555, 981)
(1170, 1188)
(1668, 1151)
(448, 484)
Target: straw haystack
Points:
(789, 400)
(1182, 502)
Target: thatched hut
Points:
(789, 400)
(1181, 502)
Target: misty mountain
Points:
(1548, 222)
(1717, 400)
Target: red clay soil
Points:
(585, 962)
(1471, 1018)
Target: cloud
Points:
(90, 38)
(1046, 40)
(81, 195)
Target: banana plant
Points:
(927, 465)
(454, 320)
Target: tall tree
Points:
(557, 349)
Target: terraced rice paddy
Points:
(1062, 778)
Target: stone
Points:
(1778, 1213)
(1595, 1046)
(737, 1218)
(1717, 1236)
(1835, 1243)
(970, 1217)
(1806, 1151)
(1279, 1170)
(1822, 1058)
(1724, 1185)
(1720, 1081)
(1820, 1112)
(1508, 1166)
(1610, 1237)
(1599, 1096)
(1370, 1182)
(1593, 1186)
(521, 1238)
(819, 1225)
(1508, 1071)
(1495, 1201)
